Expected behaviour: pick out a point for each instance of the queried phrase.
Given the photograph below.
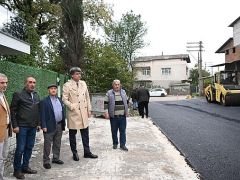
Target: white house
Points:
(161, 71)
(10, 45)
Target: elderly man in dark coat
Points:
(52, 123)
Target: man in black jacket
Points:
(143, 97)
(25, 121)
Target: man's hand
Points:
(89, 114)
(44, 129)
(127, 115)
(106, 115)
(16, 130)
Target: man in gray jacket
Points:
(117, 111)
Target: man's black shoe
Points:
(124, 148)
(18, 175)
(47, 166)
(29, 171)
(90, 155)
(75, 157)
(115, 146)
(57, 161)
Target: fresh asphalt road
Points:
(208, 135)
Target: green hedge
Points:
(17, 73)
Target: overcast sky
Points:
(173, 23)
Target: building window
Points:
(166, 71)
(146, 71)
(233, 50)
(227, 52)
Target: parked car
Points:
(158, 92)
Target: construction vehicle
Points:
(225, 88)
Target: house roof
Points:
(164, 57)
(218, 65)
(234, 22)
(222, 48)
(226, 63)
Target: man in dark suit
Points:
(143, 97)
(52, 123)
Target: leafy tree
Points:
(194, 75)
(43, 22)
(103, 65)
(16, 27)
(40, 17)
(126, 36)
(97, 13)
(28, 34)
(41, 14)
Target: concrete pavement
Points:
(150, 156)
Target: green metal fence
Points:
(17, 73)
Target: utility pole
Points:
(197, 46)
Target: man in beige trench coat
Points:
(76, 97)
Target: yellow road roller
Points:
(225, 88)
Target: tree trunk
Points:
(72, 47)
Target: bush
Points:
(17, 74)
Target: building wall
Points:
(178, 72)
(236, 33)
(165, 83)
(231, 56)
(180, 89)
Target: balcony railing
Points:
(12, 24)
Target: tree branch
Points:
(5, 4)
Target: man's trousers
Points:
(53, 140)
(3, 156)
(118, 123)
(85, 140)
(141, 106)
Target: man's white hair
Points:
(3, 75)
(116, 81)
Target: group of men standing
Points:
(28, 114)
